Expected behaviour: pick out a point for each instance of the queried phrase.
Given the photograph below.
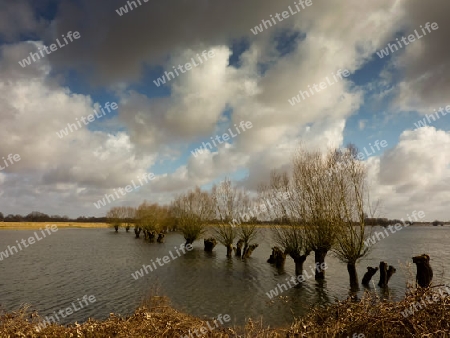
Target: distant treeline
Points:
(36, 216)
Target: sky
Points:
(248, 60)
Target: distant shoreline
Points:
(61, 225)
(81, 225)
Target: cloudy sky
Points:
(155, 129)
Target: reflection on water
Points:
(72, 263)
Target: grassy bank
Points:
(369, 317)
(37, 225)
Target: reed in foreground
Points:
(422, 313)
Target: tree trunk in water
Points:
(239, 245)
(160, 238)
(391, 270)
(424, 274)
(127, 228)
(383, 275)
(248, 252)
(299, 260)
(209, 244)
(229, 250)
(244, 250)
(278, 257)
(368, 275)
(152, 236)
(116, 227)
(320, 261)
(137, 232)
(351, 268)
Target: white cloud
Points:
(415, 174)
(71, 173)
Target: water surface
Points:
(71, 263)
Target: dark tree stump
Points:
(161, 238)
(319, 256)
(229, 250)
(238, 248)
(278, 257)
(244, 250)
(137, 231)
(248, 252)
(151, 236)
(383, 275)
(391, 270)
(424, 274)
(368, 275)
(116, 227)
(210, 243)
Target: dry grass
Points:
(37, 225)
(374, 317)
(371, 316)
(156, 319)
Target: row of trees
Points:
(151, 219)
(37, 216)
(326, 211)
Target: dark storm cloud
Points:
(18, 19)
(117, 46)
(427, 69)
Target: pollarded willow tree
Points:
(349, 177)
(312, 186)
(291, 237)
(151, 219)
(226, 199)
(115, 216)
(129, 217)
(247, 228)
(233, 209)
(193, 210)
(331, 193)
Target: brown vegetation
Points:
(371, 316)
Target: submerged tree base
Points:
(370, 316)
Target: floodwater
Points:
(59, 269)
